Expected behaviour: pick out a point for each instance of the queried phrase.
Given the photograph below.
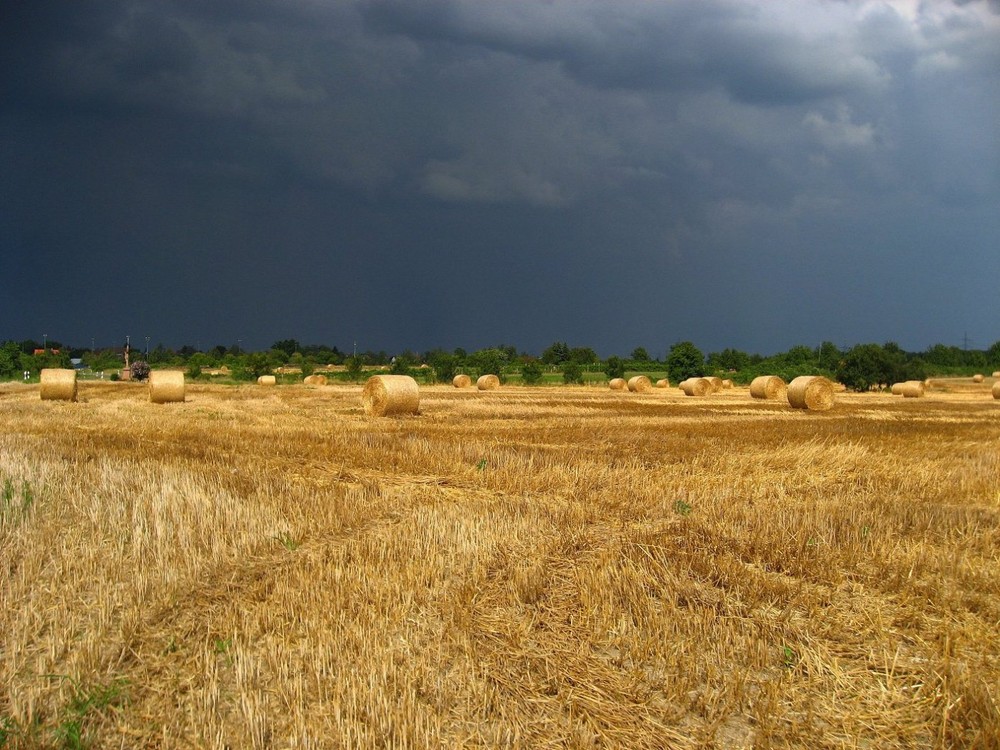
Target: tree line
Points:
(860, 367)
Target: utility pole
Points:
(45, 339)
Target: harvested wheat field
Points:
(532, 568)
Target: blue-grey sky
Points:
(752, 174)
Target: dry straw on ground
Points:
(696, 387)
(315, 379)
(388, 395)
(812, 392)
(267, 380)
(488, 382)
(662, 383)
(58, 384)
(978, 378)
(768, 387)
(617, 384)
(639, 383)
(913, 389)
(461, 381)
(166, 386)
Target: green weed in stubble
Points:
(13, 507)
(287, 541)
(86, 701)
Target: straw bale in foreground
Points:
(696, 387)
(488, 382)
(315, 380)
(385, 395)
(767, 387)
(461, 381)
(812, 392)
(639, 383)
(58, 384)
(166, 386)
(617, 384)
(913, 389)
(662, 383)
(267, 380)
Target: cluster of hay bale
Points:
(639, 384)
(909, 389)
(386, 395)
(696, 387)
(812, 392)
(166, 386)
(768, 387)
(58, 384)
(488, 382)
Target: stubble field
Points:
(531, 567)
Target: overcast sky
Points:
(444, 173)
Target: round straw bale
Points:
(315, 379)
(696, 387)
(912, 389)
(385, 395)
(727, 384)
(715, 382)
(897, 389)
(488, 382)
(166, 386)
(996, 374)
(996, 390)
(767, 387)
(662, 383)
(58, 384)
(461, 381)
(977, 378)
(811, 392)
(267, 380)
(639, 383)
(617, 384)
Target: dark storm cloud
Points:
(552, 170)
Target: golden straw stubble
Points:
(812, 392)
(58, 384)
(166, 386)
(767, 387)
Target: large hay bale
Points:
(385, 395)
(715, 382)
(996, 390)
(912, 389)
(696, 387)
(897, 389)
(461, 381)
(662, 383)
(166, 386)
(767, 387)
(977, 378)
(727, 384)
(315, 379)
(639, 383)
(267, 380)
(488, 382)
(812, 392)
(58, 384)
(617, 384)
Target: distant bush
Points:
(139, 370)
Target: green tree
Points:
(354, 368)
(288, 346)
(828, 356)
(556, 354)
(572, 373)
(685, 361)
(490, 362)
(445, 365)
(728, 359)
(614, 367)
(531, 372)
(993, 354)
(867, 365)
(583, 355)
(639, 354)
